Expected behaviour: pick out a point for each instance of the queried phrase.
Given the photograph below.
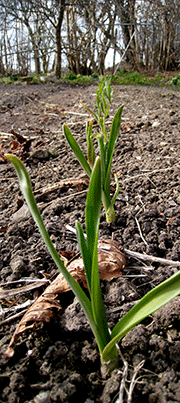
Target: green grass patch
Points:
(135, 78)
(122, 78)
(79, 79)
(175, 82)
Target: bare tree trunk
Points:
(126, 12)
(147, 53)
(36, 54)
(5, 45)
(2, 70)
(114, 53)
(35, 47)
(61, 8)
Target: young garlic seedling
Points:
(106, 145)
(93, 305)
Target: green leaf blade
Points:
(98, 309)
(93, 209)
(76, 150)
(110, 213)
(114, 132)
(92, 215)
(150, 303)
(102, 155)
(87, 259)
(90, 147)
(90, 111)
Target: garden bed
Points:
(59, 361)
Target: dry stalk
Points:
(144, 173)
(13, 317)
(144, 256)
(140, 232)
(9, 293)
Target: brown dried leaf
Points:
(3, 158)
(127, 127)
(3, 229)
(111, 262)
(18, 136)
(14, 145)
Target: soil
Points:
(59, 361)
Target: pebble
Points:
(21, 214)
(145, 119)
(42, 397)
(17, 265)
(163, 143)
(155, 124)
(40, 155)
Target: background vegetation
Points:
(43, 35)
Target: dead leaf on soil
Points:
(3, 229)
(3, 158)
(18, 136)
(16, 143)
(111, 263)
(127, 127)
(67, 183)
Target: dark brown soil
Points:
(59, 361)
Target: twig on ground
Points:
(144, 173)
(16, 307)
(144, 256)
(71, 124)
(76, 113)
(140, 232)
(70, 196)
(151, 181)
(5, 135)
(8, 179)
(70, 182)
(13, 317)
(8, 293)
(128, 306)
